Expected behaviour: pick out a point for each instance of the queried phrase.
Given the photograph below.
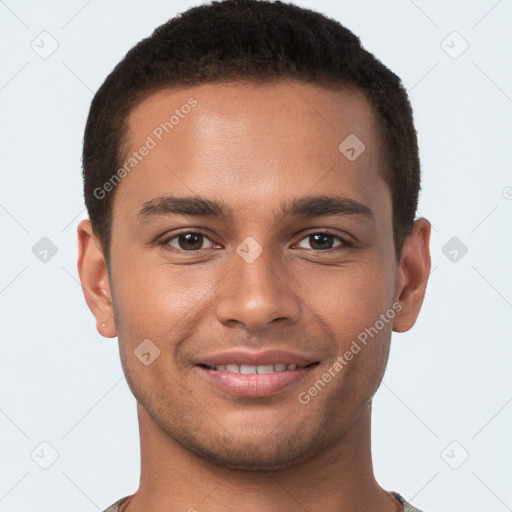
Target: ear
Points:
(412, 276)
(92, 270)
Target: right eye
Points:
(187, 241)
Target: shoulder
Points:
(115, 506)
(407, 507)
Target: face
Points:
(285, 257)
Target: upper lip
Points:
(251, 358)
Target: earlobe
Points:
(412, 276)
(92, 270)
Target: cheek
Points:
(351, 305)
(354, 295)
(152, 300)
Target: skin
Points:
(254, 147)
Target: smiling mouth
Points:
(255, 380)
(246, 369)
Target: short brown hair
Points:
(249, 40)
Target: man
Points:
(251, 175)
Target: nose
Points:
(256, 294)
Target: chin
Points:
(247, 460)
(281, 451)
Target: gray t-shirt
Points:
(406, 507)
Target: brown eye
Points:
(323, 241)
(187, 241)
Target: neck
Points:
(340, 478)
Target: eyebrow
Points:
(310, 206)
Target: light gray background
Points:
(448, 380)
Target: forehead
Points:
(280, 112)
(253, 143)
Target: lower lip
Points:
(255, 385)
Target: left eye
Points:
(323, 241)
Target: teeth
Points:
(265, 368)
(247, 369)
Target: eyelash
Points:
(345, 244)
